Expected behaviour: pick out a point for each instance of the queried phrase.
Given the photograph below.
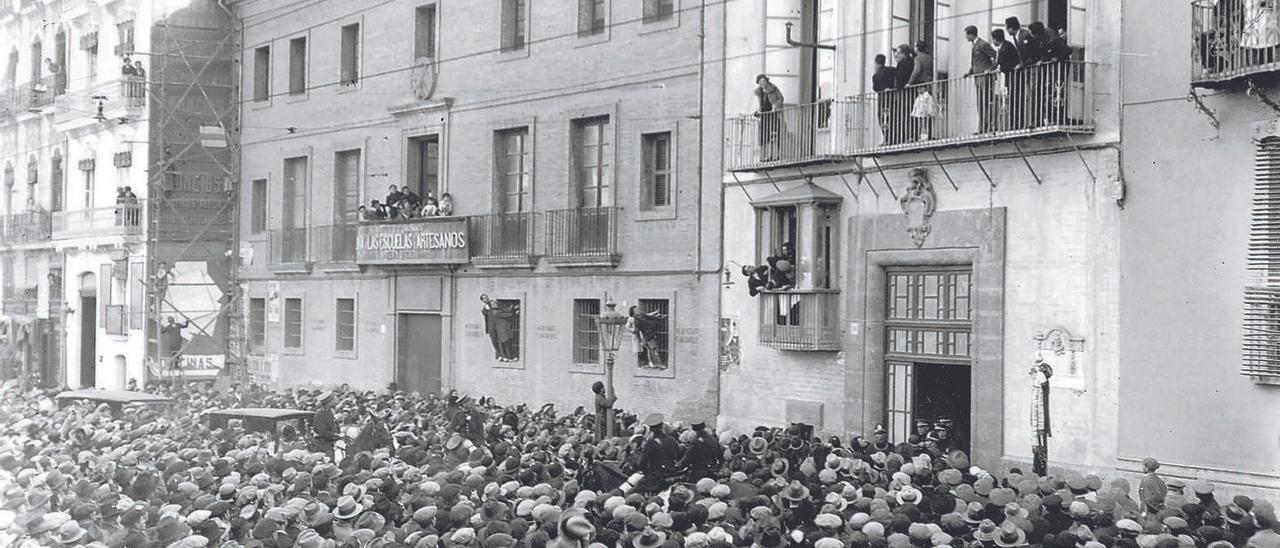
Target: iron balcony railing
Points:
(25, 228)
(1035, 100)
(41, 93)
(585, 236)
(133, 89)
(502, 238)
(288, 245)
(334, 243)
(800, 320)
(120, 219)
(117, 319)
(20, 300)
(1233, 39)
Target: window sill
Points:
(297, 97)
(349, 87)
(660, 25)
(1263, 381)
(588, 368)
(505, 56)
(588, 40)
(515, 366)
(293, 351)
(339, 266)
(666, 213)
(667, 372)
(345, 355)
(259, 104)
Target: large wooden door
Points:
(88, 341)
(418, 353)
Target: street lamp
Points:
(610, 325)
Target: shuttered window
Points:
(658, 10)
(657, 170)
(1261, 353)
(591, 17)
(586, 333)
(515, 15)
(293, 323)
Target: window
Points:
(257, 323)
(124, 38)
(652, 322)
(298, 65)
(1262, 286)
(586, 334)
(33, 179)
(918, 20)
(503, 316)
(55, 182)
(87, 168)
(658, 10)
(424, 35)
(515, 20)
(293, 322)
(8, 189)
(344, 324)
(592, 145)
(424, 165)
(89, 42)
(801, 229)
(295, 192)
(591, 17)
(258, 207)
(515, 170)
(11, 71)
(37, 59)
(262, 73)
(346, 186)
(657, 170)
(350, 73)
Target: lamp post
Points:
(610, 324)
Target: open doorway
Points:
(88, 330)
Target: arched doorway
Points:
(88, 330)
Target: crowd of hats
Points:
(160, 477)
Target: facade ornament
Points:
(918, 203)
(423, 78)
(1062, 349)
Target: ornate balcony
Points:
(25, 228)
(806, 320)
(583, 237)
(116, 220)
(1233, 40)
(502, 240)
(1053, 98)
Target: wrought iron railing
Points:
(1035, 100)
(25, 228)
(800, 320)
(20, 300)
(501, 237)
(1233, 39)
(117, 319)
(334, 243)
(288, 245)
(119, 219)
(133, 89)
(588, 235)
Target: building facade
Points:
(1197, 312)
(112, 240)
(578, 146)
(922, 255)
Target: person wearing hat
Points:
(703, 456)
(660, 452)
(1153, 490)
(604, 402)
(327, 431)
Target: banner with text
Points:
(424, 241)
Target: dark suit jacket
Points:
(1007, 57)
(882, 79)
(905, 67)
(982, 57)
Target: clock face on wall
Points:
(423, 78)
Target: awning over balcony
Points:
(807, 193)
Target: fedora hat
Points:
(780, 468)
(347, 508)
(649, 539)
(758, 446)
(909, 495)
(70, 532)
(791, 494)
(1010, 535)
(986, 531)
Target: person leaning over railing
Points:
(770, 115)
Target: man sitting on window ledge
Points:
(780, 267)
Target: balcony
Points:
(334, 244)
(33, 97)
(288, 250)
(1232, 41)
(116, 319)
(804, 320)
(1048, 99)
(122, 98)
(116, 220)
(25, 228)
(502, 240)
(583, 237)
(20, 301)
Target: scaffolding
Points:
(194, 328)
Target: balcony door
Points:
(88, 330)
(593, 179)
(928, 363)
(424, 166)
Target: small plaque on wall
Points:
(549, 332)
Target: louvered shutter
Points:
(1261, 352)
(661, 171)
(586, 16)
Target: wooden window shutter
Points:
(586, 16)
(1261, 352)
(509, 8)
(104, 294)
(661, 171)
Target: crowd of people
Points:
(404, 203)
(457, 472)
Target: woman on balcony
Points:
(770, 114)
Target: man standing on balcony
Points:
(882, 81)
(1007, 61)
(982, 60)
(130, 207)
(770, 114)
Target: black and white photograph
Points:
(640, 273)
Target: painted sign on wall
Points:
(425, 241)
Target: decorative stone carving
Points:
(423, 78)
(918, 203)
(1063, 349)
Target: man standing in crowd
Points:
(171, 338)
(603, 403)
(326, 428)
(982, 62)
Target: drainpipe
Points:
(702, 120)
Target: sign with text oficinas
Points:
(424, 241)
